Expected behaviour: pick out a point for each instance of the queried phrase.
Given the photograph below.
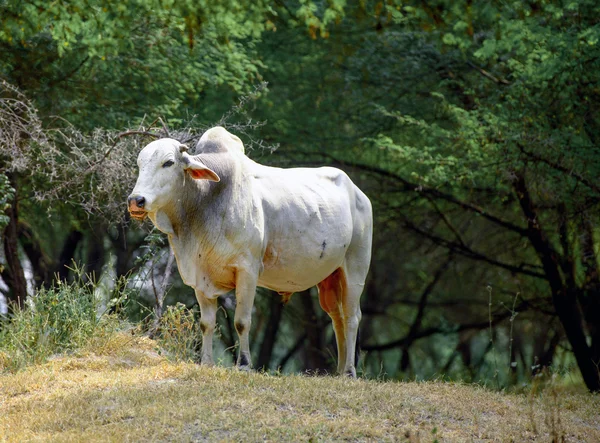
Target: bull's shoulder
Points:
(219, 140)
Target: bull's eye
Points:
(167, 163)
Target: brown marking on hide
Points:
(332, 291)
(285, 297)
(270, 258)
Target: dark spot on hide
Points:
(243, 360)
(323, 249)
(203, 327)
(239, 327)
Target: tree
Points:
(478, 123)
(97, 65)
(472, 127)
(514, 143)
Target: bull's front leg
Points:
(208, 320)
(244, 294)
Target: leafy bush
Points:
(60, 319)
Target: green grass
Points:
(126, 391)
(61, 319)
(179, 335)
(71, 375)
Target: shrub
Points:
(60, 319)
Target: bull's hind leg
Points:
(244, 294)
(341, 301)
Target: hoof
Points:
(350, 373)
(244, 362)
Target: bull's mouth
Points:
(138, 214)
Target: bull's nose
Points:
(139, 201)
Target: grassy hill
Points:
(125, 391)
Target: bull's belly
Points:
(296, 269)
(296, 278)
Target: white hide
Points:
(282, 229)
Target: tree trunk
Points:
(416, 325)
(270, 335)
(590, 295)
(123, 250)
(564, 299)
(35, 254)
(61, 271)
(14, 273)
(96, 256)
(314, 350)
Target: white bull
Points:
(233, 223)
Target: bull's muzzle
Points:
(135, 205)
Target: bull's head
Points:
(161, 165)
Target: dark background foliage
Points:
(472, 126)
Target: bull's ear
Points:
(198, 170)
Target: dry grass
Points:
(127, 392)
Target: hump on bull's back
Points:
(218, 139)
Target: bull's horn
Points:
(183, 148)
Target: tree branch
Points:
(416, 325)
(465, 251)
(488, 75)
(433, 331)
(560, 168)
(409, 186)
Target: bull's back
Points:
(309, 224)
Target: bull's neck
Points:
(201, 204)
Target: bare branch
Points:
(498, 318)
(569, 171)
(434, 193)
(488, 75)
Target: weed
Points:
(513, 315)
(179, 334)
(553, 420)
(56, 320)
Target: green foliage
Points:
(57, 320)
(154, 242)
(101, 64)
(434, 109)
